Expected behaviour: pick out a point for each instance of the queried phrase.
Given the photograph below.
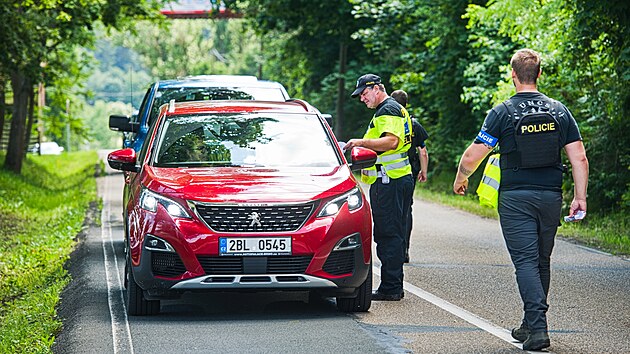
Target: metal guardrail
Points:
(4, 139)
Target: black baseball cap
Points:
(365, 81)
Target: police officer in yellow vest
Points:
(530, 129)
(391, 183)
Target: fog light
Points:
(349, 242)
(157, 244)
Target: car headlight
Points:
(353, 198)
(149, 201)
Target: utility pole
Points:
(41, 101)
(131, 87)
(67, 124)
(260, 58)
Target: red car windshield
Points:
(267, 140)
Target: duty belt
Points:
(390, 167)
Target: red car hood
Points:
(249, 185)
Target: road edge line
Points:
(465, 315)
(105, 219)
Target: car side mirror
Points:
(122, 124)
(362, 158)
(123, 160)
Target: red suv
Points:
(244, 195)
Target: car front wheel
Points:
(137, 305)
(363, 300)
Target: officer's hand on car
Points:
(352, 143)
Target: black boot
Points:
(379, 296)
(521, 333)
(537, 341)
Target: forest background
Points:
(451, 56)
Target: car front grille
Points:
(254, 265)
(166, 264)
(340, 262)
(247, 218)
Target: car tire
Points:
(137, 305)
(363, 300)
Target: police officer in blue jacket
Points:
(531, 129)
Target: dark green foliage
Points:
(452, 58)
(303, 43)
(602, 32)
(427, 43)
(41, 39)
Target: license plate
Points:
(254, 246)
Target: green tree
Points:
(193, 47)
(95, 117)
(585, 64)
(308, 46)
(37, 37)
(424, 42)
(117, 73)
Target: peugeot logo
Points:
(255, 218)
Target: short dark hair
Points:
(526, 65)
(401, 97)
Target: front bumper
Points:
(254, 279)
(258, 281)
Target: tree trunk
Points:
(341, 94)
(15, 151)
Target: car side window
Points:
(145, 145)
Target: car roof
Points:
(218, 81)
(239, 106)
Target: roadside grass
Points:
(467, 203)
(610, 233)
(607, 232)
(41, 212)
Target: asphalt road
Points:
(461, 297)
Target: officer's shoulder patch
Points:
(487, 139)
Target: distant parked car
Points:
(192, 88)
(48, 148)
(244, 196)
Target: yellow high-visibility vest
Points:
(395, 163)
(488, 190)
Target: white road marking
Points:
(465, 315)
(120, 323)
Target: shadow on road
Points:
(231, 306)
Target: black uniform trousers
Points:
(390, 206)
(529, 221)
